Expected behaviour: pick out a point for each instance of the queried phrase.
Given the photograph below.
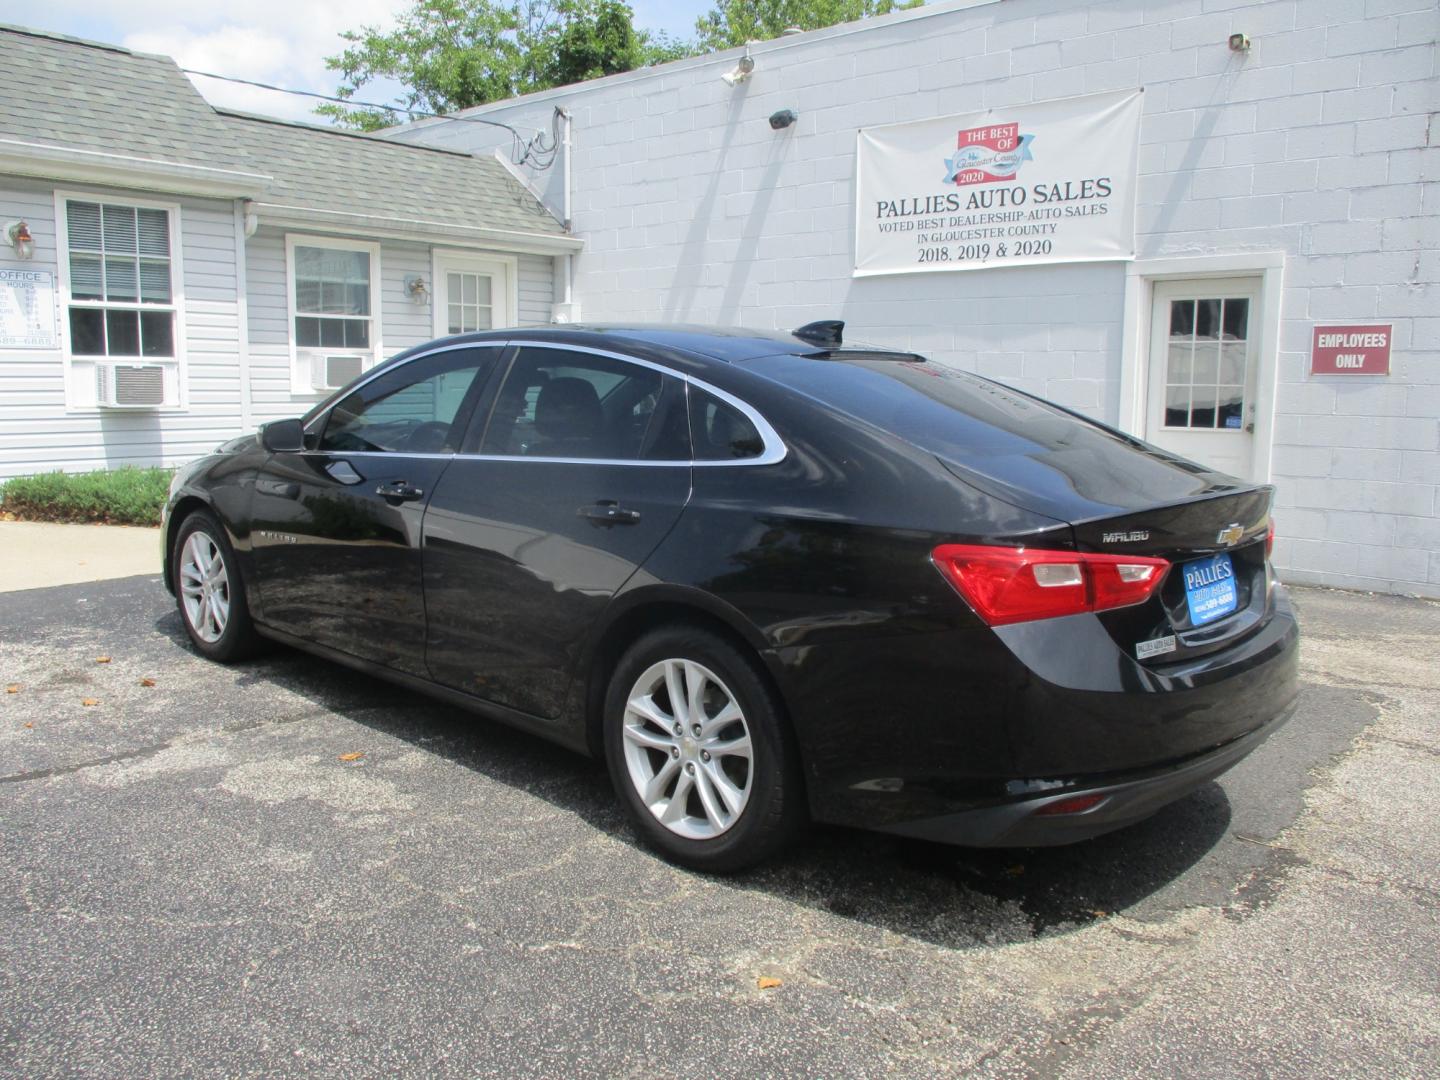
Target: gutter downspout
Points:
(245, 225)
(565, 308)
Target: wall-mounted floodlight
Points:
(782, 119)
(1240, 43)
(742, 70)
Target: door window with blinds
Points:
(122, 286)
(1205, 376)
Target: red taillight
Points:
(1076, 804)
(1270, 539)
(1010, 585)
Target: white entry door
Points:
(472, 293)
(1202, 371)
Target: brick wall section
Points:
(1321, 143)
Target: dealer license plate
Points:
(1210, 589)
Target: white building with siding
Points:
(1296, 171)
(191, 273)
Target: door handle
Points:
(396, 492)
(608, 512)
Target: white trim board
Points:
(49, 162)
(1140, 276)
(398, 228)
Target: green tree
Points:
(453, 54)
(731, 23)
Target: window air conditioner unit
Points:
(329, 371)
(135, 386)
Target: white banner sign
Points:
(1024, 184)
(27, 309)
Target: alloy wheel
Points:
(204, 587)
(688, 749)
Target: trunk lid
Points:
(1118, 494)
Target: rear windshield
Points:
(1015, 440)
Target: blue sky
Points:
(283, 42)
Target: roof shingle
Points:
(79, 95)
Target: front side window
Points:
(332, 298)
(557, 403)
(122, 293)
(420, 407)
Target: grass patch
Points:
(124, 496)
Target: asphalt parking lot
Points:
(200, 877)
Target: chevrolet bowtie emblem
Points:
(1230, 535)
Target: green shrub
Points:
(124, 496)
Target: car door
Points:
(336, 527)
(581, 470)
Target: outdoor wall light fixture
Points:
(1239, 42)
(742, 70)
(782, 119)
(416, 289)
(17, 235)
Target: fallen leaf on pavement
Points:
(13, 688)
(356, 756)
(1099, 914)
(29, 724)
(765, 982)
(90, 701)
(102, 659)
(147, 682)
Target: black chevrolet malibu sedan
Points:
(768, 577)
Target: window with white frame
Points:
(121, 280)
(335, 326)
(332, 298)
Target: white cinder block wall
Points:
(1319, 143)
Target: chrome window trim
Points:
(773, 453)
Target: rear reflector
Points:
(1270, 540)
(1009, 585)
(1076, 804)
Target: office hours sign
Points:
(27, 309)
(1043, 183)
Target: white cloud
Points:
(283, 42)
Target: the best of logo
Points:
(985, 155)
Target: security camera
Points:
(742, 71)
(782, 119)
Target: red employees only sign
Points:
(1351, 350)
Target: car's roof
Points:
(726, 343)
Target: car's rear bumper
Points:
(1123, 801)
(964, 737)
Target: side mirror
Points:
(283, 436)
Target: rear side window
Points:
(720, 431)
(557, 403)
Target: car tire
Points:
(723, 789)
(210, 592)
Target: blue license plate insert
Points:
(1210, 589)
